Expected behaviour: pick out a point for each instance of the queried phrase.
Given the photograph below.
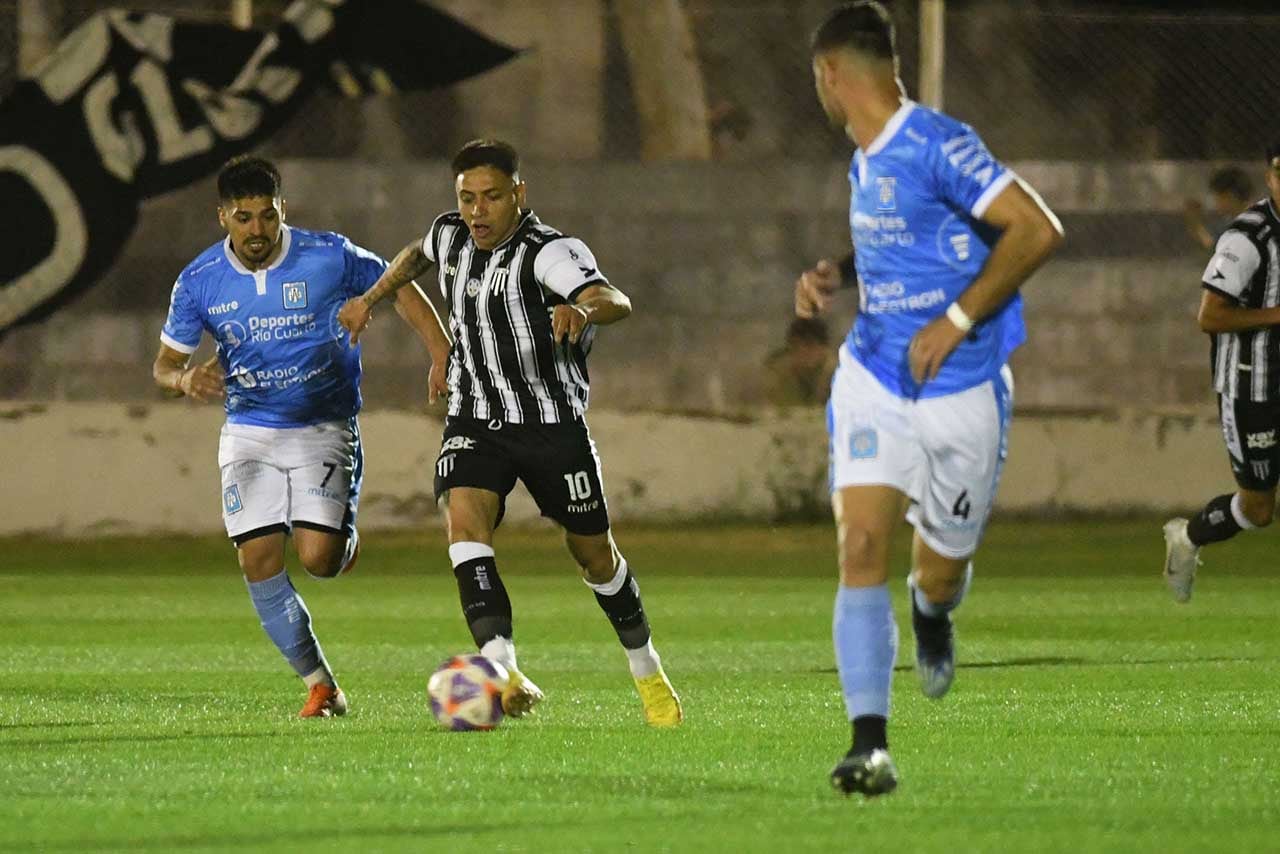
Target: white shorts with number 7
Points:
(278, 477)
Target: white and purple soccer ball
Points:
(466, 692)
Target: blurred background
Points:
(1119, 113)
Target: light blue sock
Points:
(287, 622)
(866, 641)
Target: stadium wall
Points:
(708, 253)
(82, 470)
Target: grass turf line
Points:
(141, 707)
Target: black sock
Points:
(869, 733)
(626, 612)
(1214, 523)
(485, 603)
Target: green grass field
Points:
(142, 707)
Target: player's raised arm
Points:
(1030, 232)
(416, 310)
(411, 262)
(202, 382)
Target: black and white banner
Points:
(132, 105)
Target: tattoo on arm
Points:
(407, 266)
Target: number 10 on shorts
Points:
(579, 486)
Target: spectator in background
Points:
(799, 373)
(1232, 192)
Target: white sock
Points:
(320, 674)
(501, 650)
(644, 661)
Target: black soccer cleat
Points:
(869, 774)
(935, 651)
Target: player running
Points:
(524, 304)
(1240, 308)
(290, 450)
(920, 404)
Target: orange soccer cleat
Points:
(324, 701)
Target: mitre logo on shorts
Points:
(1261, 441)
(231, 500)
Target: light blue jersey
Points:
(917, 195)
(286, 358)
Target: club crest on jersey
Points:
(231, 499)
(886, 195)
(295, 294)
(473, 287)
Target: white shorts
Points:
(276, 477)
(945, 453)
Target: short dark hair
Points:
(247, 177)
(487, 152)
(808, 329)
(1231, 179)
(864, 27)
(1273, 151)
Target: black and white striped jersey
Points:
(504, 364)
(1245, 267)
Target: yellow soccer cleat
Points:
(520, 695)
(661, 705)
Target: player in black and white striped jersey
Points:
(1240, 309)
(524, 301)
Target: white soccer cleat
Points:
(1181, 558)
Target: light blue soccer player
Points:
(290, 450)
(943, 236)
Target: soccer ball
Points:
(466, 692)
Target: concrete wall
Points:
(92, 469)
(708, 254)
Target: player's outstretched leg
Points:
(487, 609)
(866, 643)
(935, 636)
(287, 622)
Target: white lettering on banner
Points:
(70, 238)
(76, 60)
(312, 19)
(174, 142)
(121, 148)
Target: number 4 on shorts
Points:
(962, 506)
